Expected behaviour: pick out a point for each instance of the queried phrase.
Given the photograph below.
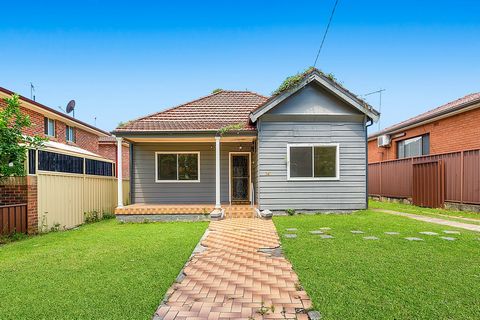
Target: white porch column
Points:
(218, 205)
(119, 173)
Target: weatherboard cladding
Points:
(276, 193)
(275, 131)
(146, 190)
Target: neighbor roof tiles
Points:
(443, 109)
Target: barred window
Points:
(57, 162)
(32, 160)
(99, 168)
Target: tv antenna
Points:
(32, 92)
(379, 92)
(71, 107)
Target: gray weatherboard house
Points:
(304, 149)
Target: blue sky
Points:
(123, 60)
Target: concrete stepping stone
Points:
(357, 231)
(449, 238)
(429, 233)
(451, 232)
(392, 233)
(291, 229)
(371, 238)
(413, 239)
(314, 315)
(290, 235)
(316, 232)
(326, 236)
(325, 228)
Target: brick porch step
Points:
(240, 211)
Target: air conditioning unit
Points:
(383, 140)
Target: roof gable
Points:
(313, 99)
(318, 78)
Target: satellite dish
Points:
(71, 107)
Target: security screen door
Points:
(240, 175)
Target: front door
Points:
(240, 177)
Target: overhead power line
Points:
(326, 31)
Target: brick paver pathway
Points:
(450, 223)
(232, 279)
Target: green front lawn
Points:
(105, 270)
(348, 277)
(452, 215)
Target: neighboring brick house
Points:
(52, 193)
(108, 149)
(61, 128)
(452, 127)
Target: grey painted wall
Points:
(313, 100)
(146, 190)
(275, 131)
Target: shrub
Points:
(12, 237)
(91, 216)
(13, 143)
(292, 81)
(108, 215)
(55, 228)
(290, 212)
(95, 216)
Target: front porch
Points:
(175, 211)
(186, 176)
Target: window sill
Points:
(177, 181)
(314, 179)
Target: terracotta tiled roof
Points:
(444, 109)
(209, 113)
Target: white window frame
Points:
(177, 153)
(54, 127)
(67, 135)
(312, 145)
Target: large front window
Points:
(414, 147)
(177, 166)
(313, 161)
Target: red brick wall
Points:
(20, 190)
(109, 150)
(32, 205)
(85, 140)
(13, 190)
(455, 133)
